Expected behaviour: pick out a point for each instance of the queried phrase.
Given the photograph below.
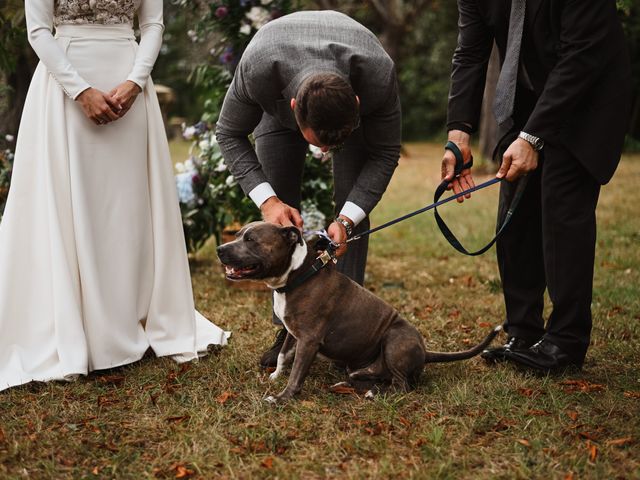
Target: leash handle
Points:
(446, 231)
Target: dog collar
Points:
(326, 257)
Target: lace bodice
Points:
(106, 12)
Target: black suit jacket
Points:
(574, 86)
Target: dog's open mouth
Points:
(238, 273)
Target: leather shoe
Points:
(497, 354)
(544, 357)
(270, 357)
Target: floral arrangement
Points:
(6, 165)
(211, 199)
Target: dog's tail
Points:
(436, 357)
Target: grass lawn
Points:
(155, 419)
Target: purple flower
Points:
(245, 3)
(227, 56)
(195, 180)
(222, 11)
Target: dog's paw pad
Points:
(369, 395)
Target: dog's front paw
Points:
(279, 399)
(275, 374)
(271, 399)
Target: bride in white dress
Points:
(93, 266)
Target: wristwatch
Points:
(346, 224)
(535, 142)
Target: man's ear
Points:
(292, 235)
(293, 103)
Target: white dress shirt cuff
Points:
(261, 192)
(353, 212)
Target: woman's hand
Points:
(98, 106)
(124, 95)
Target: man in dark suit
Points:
(319, 78)
(563, 95)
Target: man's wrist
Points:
(346, 223)
(459, 137)
(535, 142)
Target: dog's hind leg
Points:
(404, 356)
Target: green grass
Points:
(465, 420)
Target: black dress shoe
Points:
(497, 354)
(544, 357)
(270, 357)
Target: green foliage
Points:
(6, 164)
(12, 34)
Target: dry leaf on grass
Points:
(569, 476)
(484, 324)
(593, 452)
(632, 394)
(572, 414)
(177, 419)
(95, 471)
(570, 386)
(224, 397)
(267, 463)
(524, 442)
(182, 470)
(342, 390)
(111, 379)
(620, 442)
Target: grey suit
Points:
(280, 56)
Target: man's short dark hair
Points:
(327, 104)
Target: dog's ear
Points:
(293, 235)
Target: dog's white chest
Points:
(280, 306)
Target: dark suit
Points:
(574, 93)
(278, 59)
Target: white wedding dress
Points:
(93, 265)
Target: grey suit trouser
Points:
(281, 153)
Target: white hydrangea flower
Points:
(221, 167)
(266, 2)
(315, 151)
(184, 183)
(188, 132)
(230, 181)
(245, 29)
(179, 166)
(258, 16)
(9, 138)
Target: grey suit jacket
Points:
(280, 56)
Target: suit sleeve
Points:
(238, 119)
(39, 17)
(586, 29)
(151, 28)
(469, 66)
(382, 131)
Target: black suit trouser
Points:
(550, 244)
(281, 153)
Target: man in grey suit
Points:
(321, 78)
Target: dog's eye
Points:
(248, 238)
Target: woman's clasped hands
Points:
(102, 108)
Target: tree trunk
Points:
(488, 126)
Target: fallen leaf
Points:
(183, 472)
(224, 397)
(95, 470)
(267, 463)
(484, 324)
(538, 413)
(524, 442)
(572, 414)
(632, 394)
(593, 452)
(571, 386)
(620, 442)
(587, 436)
(342, 390)
(569, 476)
(270, 369)
(404, 421)
(177, 419)
(113, 379)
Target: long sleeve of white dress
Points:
(151, 28)
(39, 17)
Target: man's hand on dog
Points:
(276, 211)
(338, 234)
(465, 180)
